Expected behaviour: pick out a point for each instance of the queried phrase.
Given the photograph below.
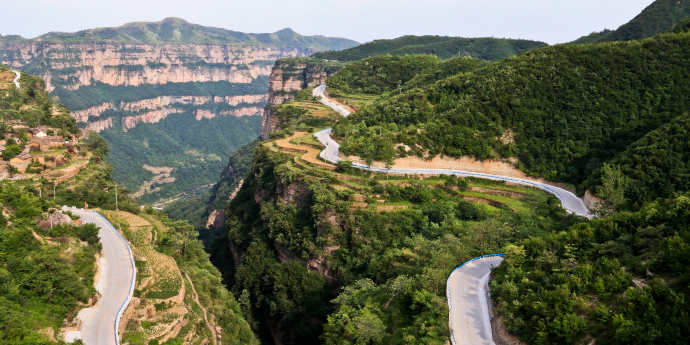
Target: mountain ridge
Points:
(658, 17)
(485, 48)
(174, 30)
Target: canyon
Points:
(156, 90)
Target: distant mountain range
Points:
(178, 31)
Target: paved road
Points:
(16, 79)
(320, 91)
(115, 285)
(570, 201)
(469, 319)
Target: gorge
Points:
(155, 90)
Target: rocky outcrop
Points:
(100, 125)
(500, 334)
(77, 65)
(168, 101)
(216, 219)
(287, 78)
(592, 201)
(83, 115)
(153, 116)
(248, 111)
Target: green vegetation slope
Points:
(561, 110)
(340, 256)
(660, 16)
(346, 257)
(444, 47)
(47, 263)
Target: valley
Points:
(168, 183)
(213, 84)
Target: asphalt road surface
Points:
(570, 201)
(115, 285)
(320, 91)
(16, 79)
(467, 289)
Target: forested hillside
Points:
(444, 47)
(326, 254)
(618, 280)
(48, 258)
(660, 16)
(562, 111)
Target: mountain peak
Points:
(286, 31)
(174, 30)
(175, 20)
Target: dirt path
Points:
(195, 296)
(310, 154)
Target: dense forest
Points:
(346, 257)
(660, 16)
(384, 273)
(620, 280)
(568, 108)
(444, 47)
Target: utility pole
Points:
(116, 209)
(54, 184)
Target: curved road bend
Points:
(115, 285)
(320, 91)
(570, 201)
(467, 288)
(16, 79)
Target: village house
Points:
(21, 162)
(38, 132)
(45, 143)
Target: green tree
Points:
(612, 189)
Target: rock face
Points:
(85, 68)
(287, 78)
(77, 65)
(200, 90)
(216, 219)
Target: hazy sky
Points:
(552, 21)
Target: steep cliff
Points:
(289, 76)
(165, 94)
(81, 72)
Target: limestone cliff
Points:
(203, 90)
(289, 76)
(76, 65)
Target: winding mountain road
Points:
(467, 286)
(16, 79)
(115, 285)
(570, 201)
(320, 92)
(468, 305)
